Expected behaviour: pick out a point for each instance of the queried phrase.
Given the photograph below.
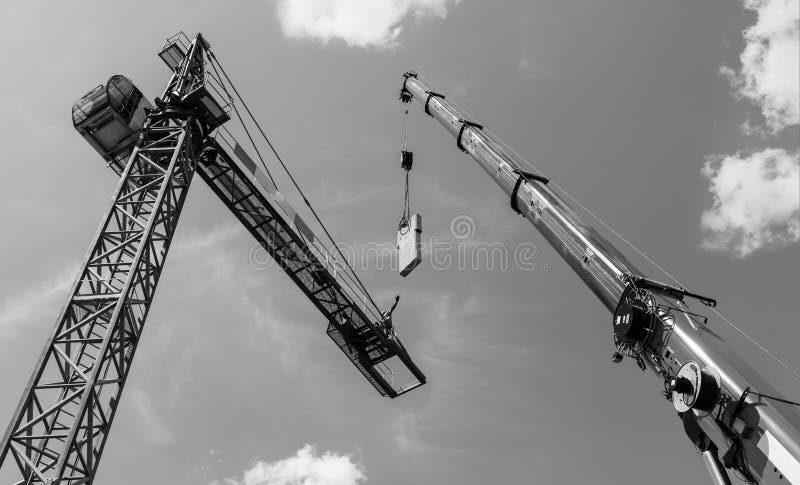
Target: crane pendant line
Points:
(350, 325)
(253, 199)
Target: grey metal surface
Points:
(772, 449)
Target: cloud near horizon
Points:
(306, 467)
(360, 23)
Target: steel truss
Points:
(61, 424)
(349, 325)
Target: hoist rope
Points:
(407, 192)
(618, 235)
(214, 60)
(405, 128)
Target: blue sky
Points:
(675, 122)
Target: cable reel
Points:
(634, 323)
(695, 388)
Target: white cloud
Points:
(770, 72)
(757, 196)
(306, 467)
(756, 201)
(360, 23)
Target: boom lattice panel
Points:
(61, 425)
(349, 325)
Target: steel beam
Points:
(350, 325)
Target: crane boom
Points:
(728, 410)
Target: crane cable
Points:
(403, 225)
(214, 60)
(628, 243)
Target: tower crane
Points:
(61, 426)
(731, 414)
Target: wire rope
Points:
(407, 192)
(214, 59)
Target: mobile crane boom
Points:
(729, 411)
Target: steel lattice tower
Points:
(60, 427)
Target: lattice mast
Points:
(729, 411)
(61, 424)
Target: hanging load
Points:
(409, 231)
(409, 244)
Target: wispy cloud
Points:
(215, 274)
(456, 349)
(151, 427)
(307, 467)
(530, 69)
(40, 300)
(360, 23)
(756, 201)
(770, 71)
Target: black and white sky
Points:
(676, 122)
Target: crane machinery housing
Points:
(60, 427)
(731, 414)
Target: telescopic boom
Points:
(730, 413)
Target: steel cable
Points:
(293, 180)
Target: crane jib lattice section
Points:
(62, 422)
(349, 325)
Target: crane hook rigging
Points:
(409, 229)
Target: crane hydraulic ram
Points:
(728, 410)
